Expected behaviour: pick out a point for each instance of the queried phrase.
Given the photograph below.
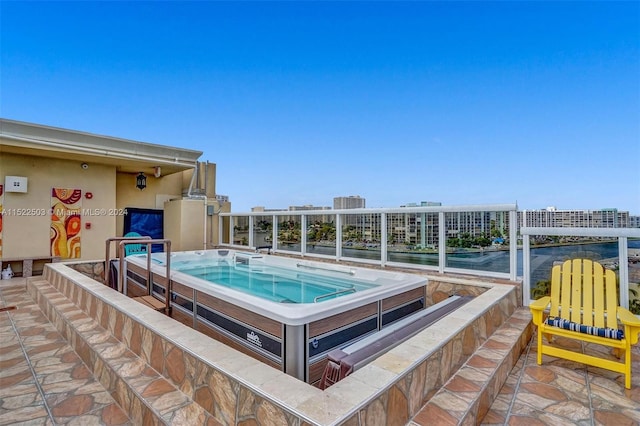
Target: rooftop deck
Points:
(45, 382)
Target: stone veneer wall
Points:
(235, 388)
(93, 269)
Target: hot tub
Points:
(289, 313)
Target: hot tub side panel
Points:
(337, 330)
(401, 305)
(251, 333)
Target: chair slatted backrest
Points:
(582, 291)
(133, 248)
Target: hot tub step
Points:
(151, 302)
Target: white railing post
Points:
(442, 247)
(526, 270)
(303, 234)
(513, 245)
(274, 233)
(338, 236)
(623, 271)
(383, 239)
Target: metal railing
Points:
(148, 242)
(107, 256)
(335, 293)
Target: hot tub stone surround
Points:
(233, 388)
(92, 269)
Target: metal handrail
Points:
(348, 290)
(107, 256)
(148, 243)
(302, 265)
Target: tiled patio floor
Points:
(561, 392)
(43, 382)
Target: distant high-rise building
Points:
(263, 209)
(552, 217)
(350, 202)
(307, 207)
(423, 204)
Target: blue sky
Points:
(298, 102)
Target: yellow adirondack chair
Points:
(584, 305)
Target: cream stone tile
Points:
(353, 392)
(374, 376)
(453, 323)
(410, 351)
(325, 409)
(213, 351)
(432, 337)
(394, 362)
(234, 362)
(289, 391)
(257, 374)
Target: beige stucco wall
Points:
(158, 190)
(28, 235)
(184, 224)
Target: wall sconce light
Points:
(141, 181)
(156, 171)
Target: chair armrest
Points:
(631, 324)
(537, 307)
(627, 318)
(540, 304)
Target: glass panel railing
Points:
(289, 233)
(547, 251)
(445, 238)
(321, 234)
(361, 236)
(617, 249)
(413, 238)
(240, 230)
(477, 240)
(262, 231)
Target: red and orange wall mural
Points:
(66, 221)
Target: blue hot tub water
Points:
(269, 282)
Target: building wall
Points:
(157, 192)
(28, 234)
(184, 224)
(26, 224)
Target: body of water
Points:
(542, 258)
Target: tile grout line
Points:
(588, 388)
(31, 369)
(517, 387)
